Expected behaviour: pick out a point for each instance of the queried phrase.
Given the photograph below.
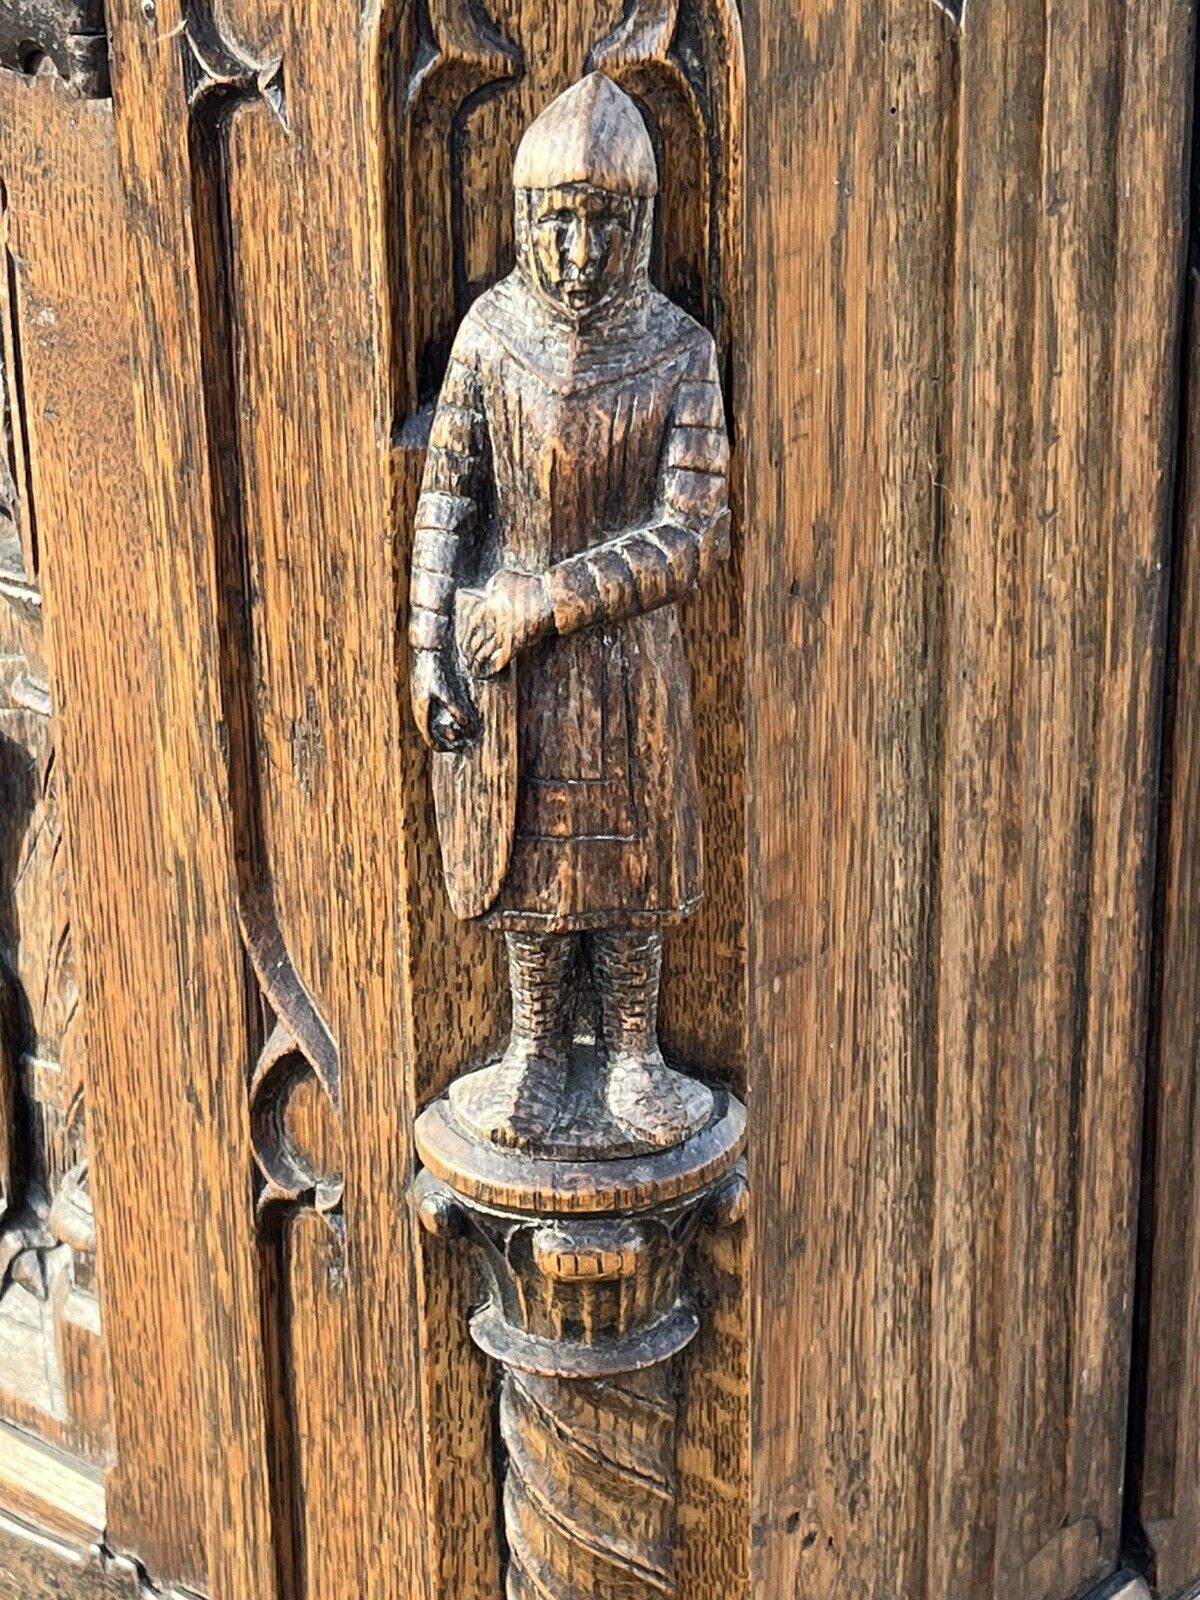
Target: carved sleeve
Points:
(650, 567)
(446, 511)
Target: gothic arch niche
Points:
(462, 80)
(469, 80)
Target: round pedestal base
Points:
(551, 1185)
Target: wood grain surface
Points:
(1166, 1419)
(926, 693)
(958, 391)
(67, 224)
(298, 251)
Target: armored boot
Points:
(644, 1096)
(515, 1101)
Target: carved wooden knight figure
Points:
(575, 489)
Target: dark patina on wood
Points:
(67, 37)
(576, 488)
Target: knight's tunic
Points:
(604, 466)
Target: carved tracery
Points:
(294, 1091)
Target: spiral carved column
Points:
(586, 1315)
(589, 1499)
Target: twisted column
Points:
(586, 1316)
(589, 1498)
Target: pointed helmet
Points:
(593, 133)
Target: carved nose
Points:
(579, 245)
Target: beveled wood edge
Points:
(36, 1564)
(507, 1180)
(50, 1489)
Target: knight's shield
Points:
(475, 789)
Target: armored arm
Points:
(447, 513)
(447, 509)
(648, 567)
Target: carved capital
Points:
(586, 1309)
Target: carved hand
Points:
(513, 612)
(446, 721)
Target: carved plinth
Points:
(585, 1312)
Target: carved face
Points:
(582, 241)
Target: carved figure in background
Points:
(575, 489)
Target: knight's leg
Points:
(515, 1101)
(643, 1094)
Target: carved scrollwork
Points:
(294, 1091)
(218, 71)
(296, 1133)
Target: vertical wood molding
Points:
(52, 1362)
(214, 1027)
(279, 327)
(1165, 1455)
(66, 209)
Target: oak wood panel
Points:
(992, 494)
(952, 723)
(51, 1354)
(66, 214)
(292, 264)
(917, 181)
(1157, 82)
(1070, 416)
(213, 1036)
(808, 363)
(1166, 1422)
(312, 427)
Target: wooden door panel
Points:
(926, 711)
(961, 430)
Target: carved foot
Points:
(515, 1102)
(651, 1102)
